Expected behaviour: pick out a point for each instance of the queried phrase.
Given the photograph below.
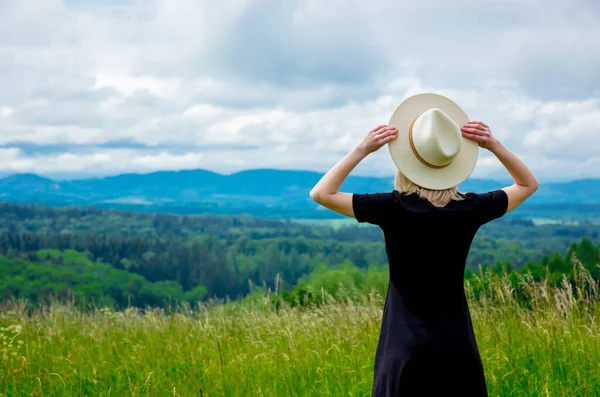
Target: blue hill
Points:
(259, 188)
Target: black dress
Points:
(426, 343)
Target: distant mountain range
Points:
(259, 191)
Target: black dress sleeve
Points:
(491, 205)
(372, 207)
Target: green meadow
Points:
(540, 339)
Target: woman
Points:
(426, 345)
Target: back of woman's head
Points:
(439, 197)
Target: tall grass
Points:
(535, 340)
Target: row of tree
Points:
(223, 267)
(227, 267)
(18, 218)
(71, 275)
(347, 280)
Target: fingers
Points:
(475, 130)
(390, 138)
(474, 137)
(380, 135)
(478, 122)
(385, 131)
(385, 136)
(382, 128)
(382, 141)
(476, 125)
(379, 128)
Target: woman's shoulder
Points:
(485, 196)
(488, 205)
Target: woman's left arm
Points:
(326, 191)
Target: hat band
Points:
(414, 149)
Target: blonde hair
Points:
(440, 197)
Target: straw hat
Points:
(430, 149)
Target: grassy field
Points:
(550, 348)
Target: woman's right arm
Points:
(525, 181)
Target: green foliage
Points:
(71, 276)
(224, 268)
(350, 281)
(518, 241)
(354, 281)
(196, 294)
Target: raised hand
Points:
(479, 132)
(378, 137)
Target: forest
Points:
(121, 259)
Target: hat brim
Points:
(431, 178)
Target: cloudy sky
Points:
(101, 87)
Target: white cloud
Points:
(100, 162)
(127, 85)
(6, 111)
(301, 80)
